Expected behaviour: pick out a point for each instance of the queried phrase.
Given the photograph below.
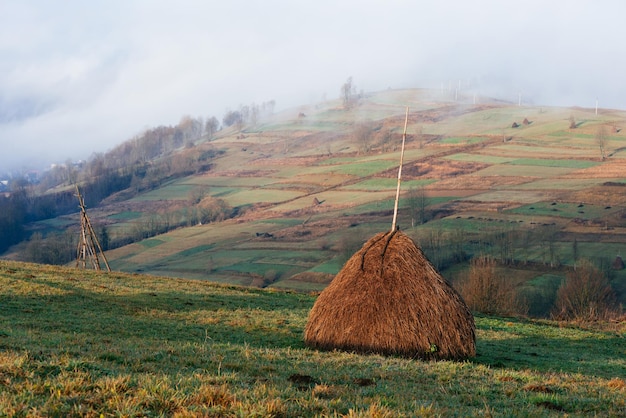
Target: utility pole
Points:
(88, 241)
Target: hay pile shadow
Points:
(389, 299)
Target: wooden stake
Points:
(88, 240)
(395, 207)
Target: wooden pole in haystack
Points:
(88, 241)
(395, 207)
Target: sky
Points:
(78, 77)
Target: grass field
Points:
(79, 343)
(463, 140)
(567, 210)
(554, 163)
(477, 172)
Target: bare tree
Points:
(417, 201)
(503, 240)
(254, 114)
(548, 244)
(211, 126)
(601, 140)
(586, 294)
(486, 290)
(231, 117)
(244, 110)
(419, 137)
(268, 107)
(348, 93)
(384, 138)
(433, 245)
(575, 254)
(362, 134)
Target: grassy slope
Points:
(284, 164)
(78, 343)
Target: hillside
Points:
(81, 343)
(535, 187)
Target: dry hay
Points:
(389, 299)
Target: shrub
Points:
(54, 249)
(212, 209)
(586, 294)
(485, 290)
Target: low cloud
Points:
(81, 77)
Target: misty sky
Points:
(79, 76)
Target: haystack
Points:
(389, 299)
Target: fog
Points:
(79, 77)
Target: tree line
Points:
(141, 163)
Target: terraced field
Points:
(308, 191)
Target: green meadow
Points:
(82, 343)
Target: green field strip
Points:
(195, 250)
(378, 184)
(509, 196)
(170, 192)
(330, 266)
(55, 225)
(523, 171)
(565, 210)
(570, 134)
(58, 222)
(561, 184)
(522, 151)
(458, 140)
(546, 281)
(599, 253)
(259, 179)
(479, 158)
(467, 225)
(347, 197)
(364, 168)
(281, 222)
(301, 187)
(566, 163)
(388, 204)
(151, 242)
(126, 216)
(255, 196)
(221, 192)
